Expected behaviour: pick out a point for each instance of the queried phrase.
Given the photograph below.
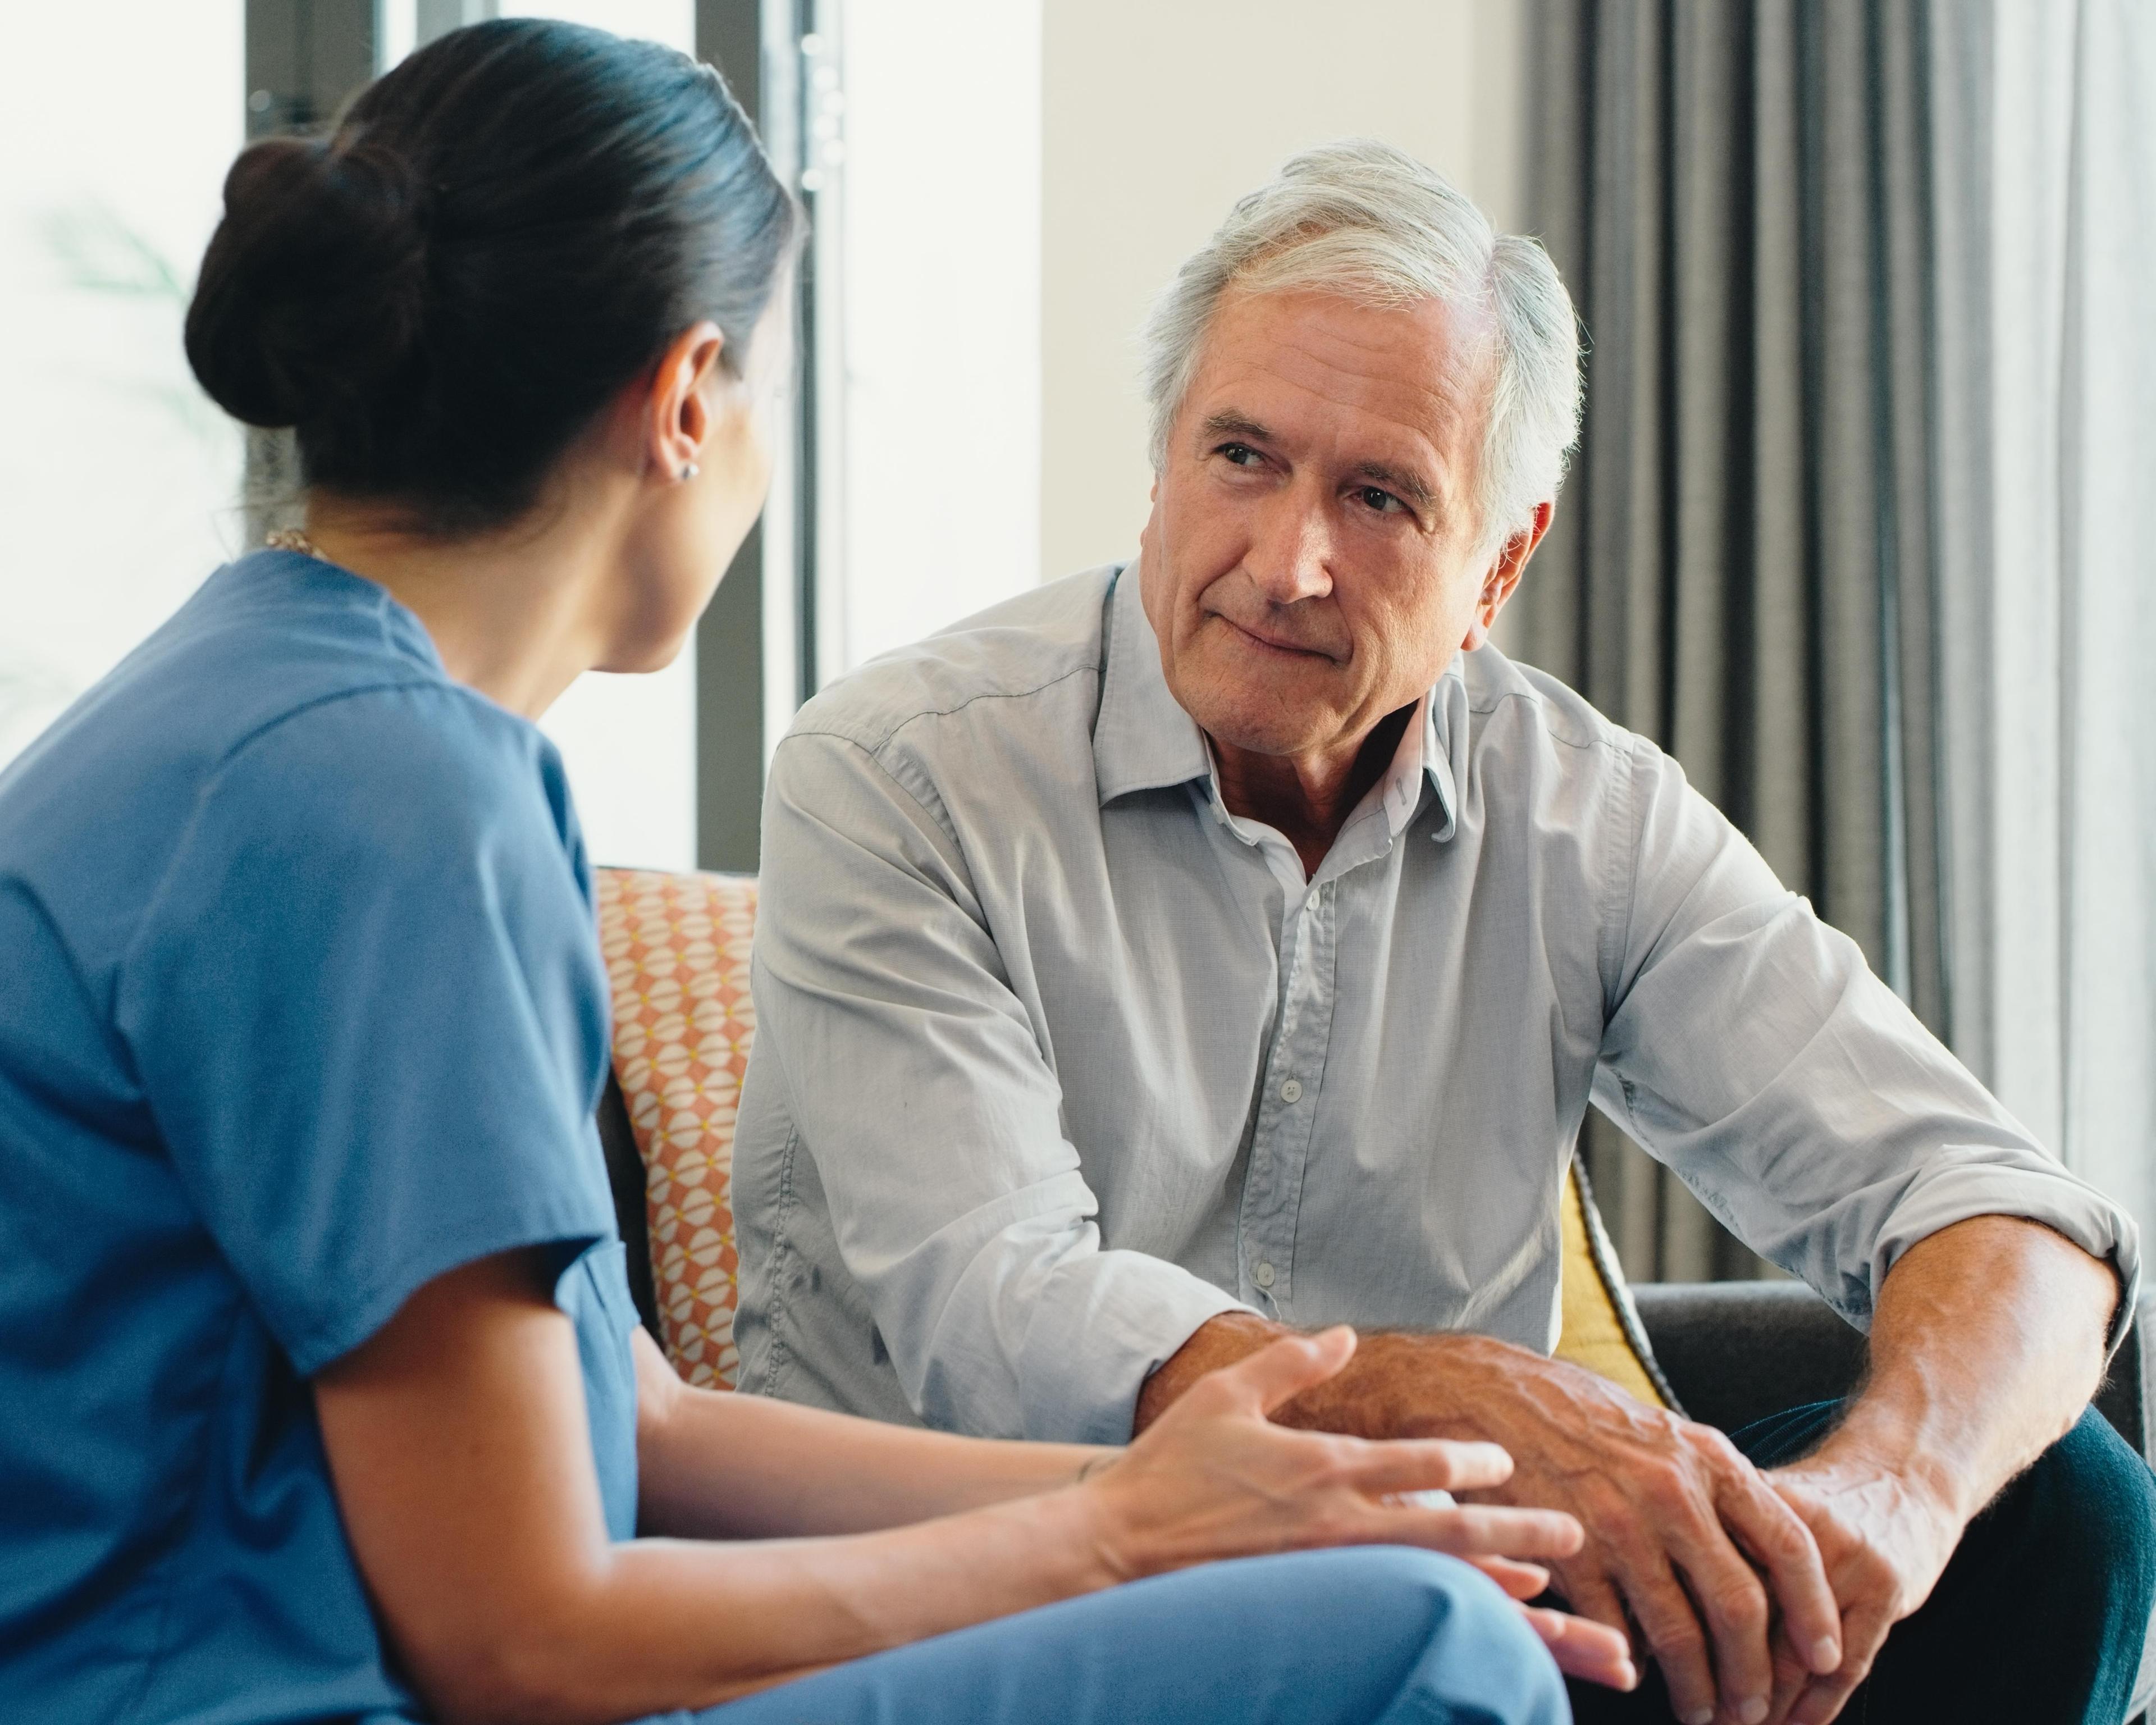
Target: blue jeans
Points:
(1347, 1637)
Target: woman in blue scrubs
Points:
(320, 1393)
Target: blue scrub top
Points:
(300, 1006)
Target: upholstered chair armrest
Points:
(2125, 1397)
(1735, 1352)
(626, 1175)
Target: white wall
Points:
(1021, 176)
(943, 248)
(1157, 116)
(119, 479)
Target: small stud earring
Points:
(688, 471)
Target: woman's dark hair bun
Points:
(313, 291)
(493, 241)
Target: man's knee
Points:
(2092, 1510)
(2050, 1592)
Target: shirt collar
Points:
(1399, 793)
(1445, 703)
(1143, 740)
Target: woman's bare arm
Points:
(457, 1439)
(716, 1466)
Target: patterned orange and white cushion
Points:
(677, 955)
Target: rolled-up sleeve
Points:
(919, 1087)
(1748, 1046)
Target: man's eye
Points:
(1242, 454)
(1370, 497)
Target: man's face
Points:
(1310, 563)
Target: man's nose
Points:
(1289, 556)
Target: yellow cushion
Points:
(677, 956)
(1595, 1332)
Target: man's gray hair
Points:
(1371, 223)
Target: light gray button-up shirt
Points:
(1058, 1059)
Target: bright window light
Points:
(119, 479)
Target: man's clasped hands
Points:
(1763, 1595)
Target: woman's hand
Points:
(458, 1439)
(1215, 1478)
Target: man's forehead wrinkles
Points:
(1382, 362)
(1430, 407)
(1453, 345)
(1418, 412)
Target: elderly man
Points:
(1232, 940)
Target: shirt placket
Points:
(1287, 1102)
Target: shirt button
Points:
(1263, 1275)
(1292, 1091)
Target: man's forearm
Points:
(1218, 1342)
(1987, 1343)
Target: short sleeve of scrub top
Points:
(304, 1007)
(366, 1007)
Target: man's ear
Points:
(680, 425)
(1503, 579)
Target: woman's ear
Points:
(679, 427)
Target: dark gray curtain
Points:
(1742, 563)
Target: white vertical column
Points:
(396, 32)
(437, 17)
(825, 178)
(779, 121)
(942, 231)
(2031, 160)
(2107, 457)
